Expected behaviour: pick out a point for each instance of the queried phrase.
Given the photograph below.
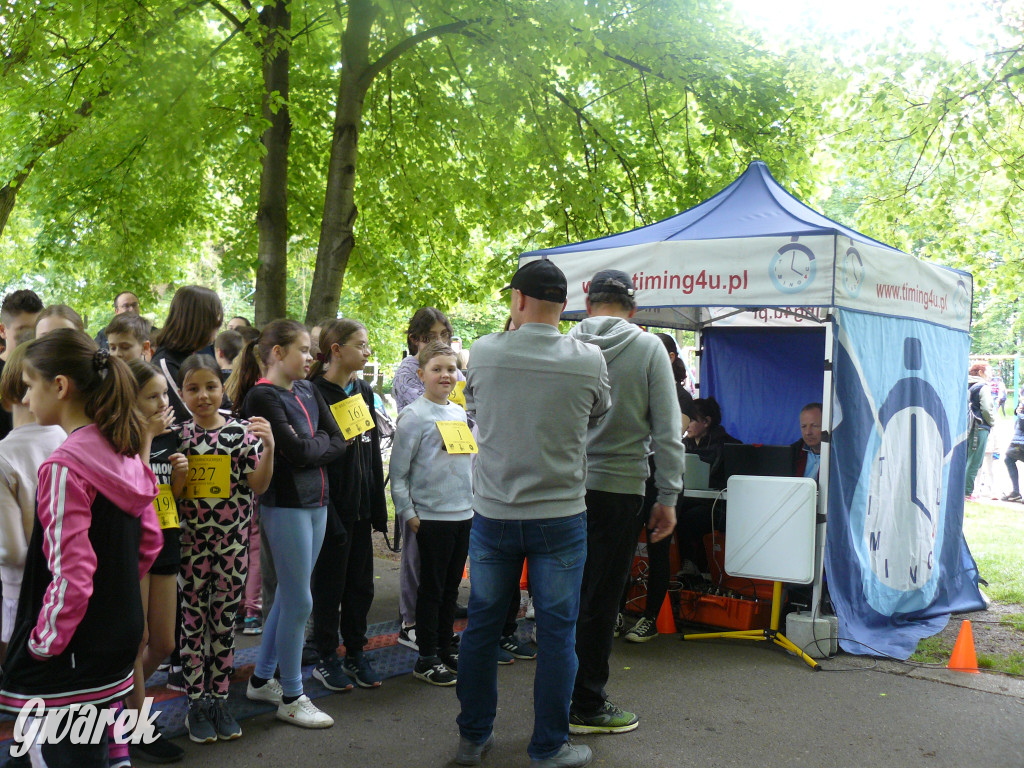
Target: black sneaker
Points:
(357, 666)
(430, 669)
(224, 722)
(163, 750)
(450, 661)
(253, 625)
(620, 625)
(609, 719)
(175, 680)
(642, 631)
(1012, 497)
(198, 724)
(329, 672)
(407, 637)
(521, 651)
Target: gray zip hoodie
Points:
(644, 409)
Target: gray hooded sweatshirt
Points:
(644, 409)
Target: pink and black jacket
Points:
(80, 618)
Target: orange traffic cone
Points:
(523, 578)
(964, 658)
(666, 621)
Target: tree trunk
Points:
(336, 238)
(272, 214)
(8, 194)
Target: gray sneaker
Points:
(198, 723)
(470, 753)
(569, 756)
(224, 722)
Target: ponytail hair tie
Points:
(321, 357)
(100, 360)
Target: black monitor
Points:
(763, 460)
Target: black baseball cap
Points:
(612, 281)
(540, 279)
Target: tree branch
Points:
(392, 55)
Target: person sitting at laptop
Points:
(807, 450)
(704, 437)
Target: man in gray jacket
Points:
(535, 392)
(644, 410)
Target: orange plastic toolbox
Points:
(723, 612)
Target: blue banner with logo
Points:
(896, 560)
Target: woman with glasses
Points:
(356, 507)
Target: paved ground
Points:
(707, 704)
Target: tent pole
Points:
(823, 469)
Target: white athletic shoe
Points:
(304, 714)
(271, 691)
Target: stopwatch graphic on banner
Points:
(793, 267)
(904, 506)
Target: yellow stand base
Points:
(772, 633)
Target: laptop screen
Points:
(763, 460)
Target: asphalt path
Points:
(701, 703)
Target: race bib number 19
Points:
(209, 477)
(166, 509)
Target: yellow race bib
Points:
(209, 477)
(457, 437)
(457, 395)
(166, 509)
(353, 416)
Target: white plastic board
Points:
(770, 528)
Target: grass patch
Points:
(932, 650)
(1015, 620)
(1012, 663)
(995, 536)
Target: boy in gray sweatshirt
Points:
(644, 413)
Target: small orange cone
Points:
(964, 658)
(523, 579)
(666, 621)
(465, 570)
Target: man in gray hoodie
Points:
(644, 413)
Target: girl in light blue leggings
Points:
(293, 510)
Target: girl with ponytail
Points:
(81, 620)
(293, 509)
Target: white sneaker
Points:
(304, 714)
(530, 612)
(271, 691)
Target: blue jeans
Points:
(555, 550)
(295, 536)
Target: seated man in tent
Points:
(807, 450)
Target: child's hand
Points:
(160, 422)
(179, 465)
(414, 524)
(261, 428)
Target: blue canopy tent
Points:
(789, 308)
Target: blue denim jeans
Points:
(555, 551)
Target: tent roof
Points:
(754, 205)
